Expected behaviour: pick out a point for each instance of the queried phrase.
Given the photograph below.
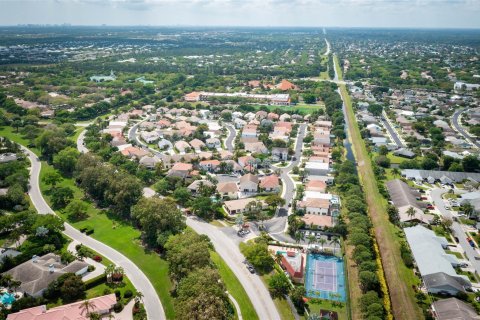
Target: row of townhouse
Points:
(321, 208)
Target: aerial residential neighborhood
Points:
(207, 169)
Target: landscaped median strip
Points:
(401, 294)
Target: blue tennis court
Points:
(324, 277)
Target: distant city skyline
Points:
(288, 13)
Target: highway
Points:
(457, 229)
(458, 126)
(151, 301)
(230, 253)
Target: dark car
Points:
(251, 269)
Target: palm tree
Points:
(322, 242)
(335, 241)
(109, 270)
(87, 306)
(138, 297)
(411, 212)
(298, 237)
(311, 239)
(278, 257)
(395, 172)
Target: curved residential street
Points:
(230, 253)
(151, 301)
(232, 132)
(458, 126)
(457, 229)
(80, 142)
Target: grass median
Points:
(400, 279)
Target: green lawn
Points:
(122, 237)
(234, 287)
(281, 304)
(456, 254)
(315, 305)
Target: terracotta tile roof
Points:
(269, 182)
(286, 85)
(72, 311)
(182, 167)
(318, 220)
(316, 185)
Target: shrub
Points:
(118, 307)
(107, 291)
(97, 258)
(118, 294)
(128, 294)
(89, 231)
(90, 268)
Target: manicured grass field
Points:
(122, 237)
(400, 279)
(315, 305)
(234, 287)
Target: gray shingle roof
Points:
(454, 309)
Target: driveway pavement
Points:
(151, 300)
(230, 253)
(457, 229)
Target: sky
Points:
(302, 13)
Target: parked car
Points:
(251, 269)
(430, 206)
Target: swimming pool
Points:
(324, 277)
(7, 299)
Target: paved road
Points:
(231, 137)
(230, 253)
(456, 229)
(458, 126)
(80, 144)
(328, 48)
(151, 301)
(277, 225)
(391, 130)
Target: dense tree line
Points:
(359, 236)
(108, 185)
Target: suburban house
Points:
(74, 311)
(316, 185)
(453, 309)
(180, 169)
(403, 199)
(315, 206)
(149, 162)
(197, 145)
(182, 146)
(150, 136)
(292, 262)
(279, 154)
(270, 183)
(214, 143)
(209, 165)
(247, 161)
(239, 206)
(134, 152)
(436, 267)
(196, 185)
(249, 131)
(37, 273)
(317, 168)
(248, 183)
(255, 147)
(228, 190)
